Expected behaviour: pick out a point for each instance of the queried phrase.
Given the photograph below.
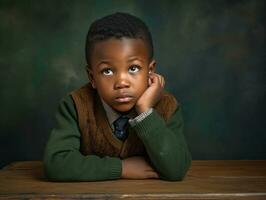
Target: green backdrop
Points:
(212, 54)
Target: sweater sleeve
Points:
(165, 144)
(62, 159)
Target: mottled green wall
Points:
(212, 53)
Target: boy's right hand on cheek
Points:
(137, 168)
(152, 94)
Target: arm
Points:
(62, 158)
(165, 144)
(164, 141)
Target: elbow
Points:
(52, 175)
(54, 170)
(174, 176)
(177, 172)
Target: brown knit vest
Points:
(96, 134)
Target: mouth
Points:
(123, 98)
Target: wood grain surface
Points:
(209, 179)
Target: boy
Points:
(121, 124)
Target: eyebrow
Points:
(135, 58)
(103, 62)
(110, 62)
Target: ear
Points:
(152, 66)
(90, 76)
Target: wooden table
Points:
(216, 179)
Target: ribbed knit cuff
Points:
(140, 117)
(145, 128)
(115, 168)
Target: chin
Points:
(123, 108)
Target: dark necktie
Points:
(120, 125)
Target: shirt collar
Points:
(112, 115)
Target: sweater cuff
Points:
(115, 168)
(140, 117)
(145, 128)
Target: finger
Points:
(160, 78)
(156, 175)
(163, 82)
(154, 78)
(150, 81)
(152, 174)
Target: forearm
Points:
(62, 159)
(165, 145)
(73, 166)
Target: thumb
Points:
(150, 81)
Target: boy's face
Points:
(120, 71)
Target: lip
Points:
(124, 98)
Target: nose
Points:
(122, 81)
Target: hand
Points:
(152, 94)
(137, 168)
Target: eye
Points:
(134, 68)
(107, 72)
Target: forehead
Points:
(116, 50)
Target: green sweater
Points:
(164, 143)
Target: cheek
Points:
(102, 82)
(105, 91)
(145, 79)
(142, 83)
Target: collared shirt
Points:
(134, 118)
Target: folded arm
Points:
(165, 144)
(63, 160)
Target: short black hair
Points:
(118, 25)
